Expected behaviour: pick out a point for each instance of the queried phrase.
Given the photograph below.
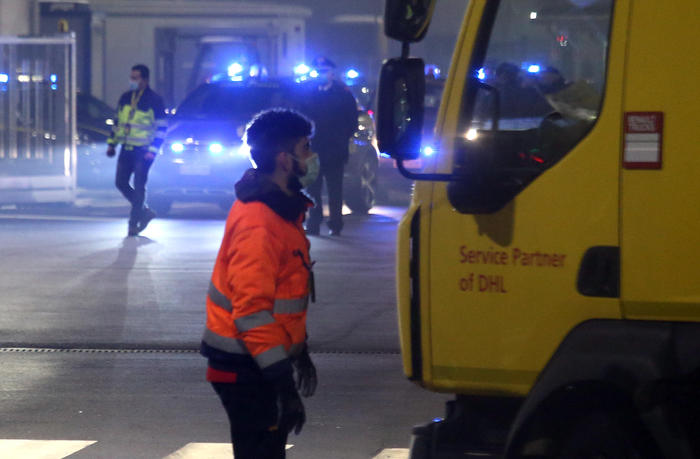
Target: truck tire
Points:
(360, 188)
(605, 435)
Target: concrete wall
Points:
(124, 33)
(16, 17)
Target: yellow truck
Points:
(548, 265)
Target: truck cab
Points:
(547, 268)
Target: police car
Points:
(203, 154)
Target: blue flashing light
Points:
(313, 74)
(533, 68)
(352, 74)
(433, 71)
(301, 69)
(254, 71)
(177, 147)
(235, 69)
(427, 150)
(53, 78)
(54, 87)
(216, 148)
(4, 77)
(481, 74)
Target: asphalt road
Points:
(98, 338)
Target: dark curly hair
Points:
(275, 130)
(142, 69)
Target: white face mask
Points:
(133, 85)
(313, 166)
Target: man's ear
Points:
(282, 161)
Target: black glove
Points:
(111, 151)
(305, 373)
(290, 410)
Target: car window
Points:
(231, 102)
(90, 108)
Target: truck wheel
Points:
(161, 206)
(606, 435)
(360, 190)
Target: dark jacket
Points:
(334, 113)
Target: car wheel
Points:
(161, 206)
(360, 191)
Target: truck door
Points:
(661, 164)
(532, 122)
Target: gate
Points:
(37, 119)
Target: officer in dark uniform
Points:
(332, 107)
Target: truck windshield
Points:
(536, 89)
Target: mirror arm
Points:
(405, 50)
(429, 177)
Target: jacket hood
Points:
(254, 186)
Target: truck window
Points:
(536, 89)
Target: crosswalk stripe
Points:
(40, 449)
(67, 218)
(205, 451)
(392, 453)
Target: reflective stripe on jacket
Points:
(146, 126)
(258, 294)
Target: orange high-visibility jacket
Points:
(258, 295)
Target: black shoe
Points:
(313, 231)
(147, 216)
(334, 232)
(133, 229)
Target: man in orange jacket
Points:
(255, 337)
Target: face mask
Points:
(312, 168)
(133, 85)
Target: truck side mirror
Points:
(400, 108)
(407, 20)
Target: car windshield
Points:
(229, 102)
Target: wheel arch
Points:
(585, 372)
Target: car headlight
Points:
(177, 147)
(427, 150)
(215, 148)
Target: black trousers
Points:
(332, 174)
(252, 410)
(130, 162)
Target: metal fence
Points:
(37, 119)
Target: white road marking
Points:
(205, 451)
(41, 449)
(70, 218)
(393, 453)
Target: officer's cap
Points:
(323, 63)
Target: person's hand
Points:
(305, 373)
(111, 151)
(290, 410)
(149, 156)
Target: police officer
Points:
(332, 107)
(255, 336)
(140, 129)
